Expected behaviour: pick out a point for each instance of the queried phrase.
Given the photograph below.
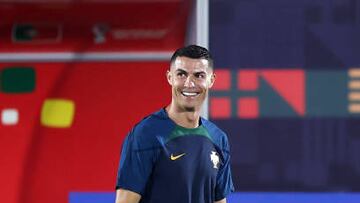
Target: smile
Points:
(190, 94)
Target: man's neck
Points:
(187, 119)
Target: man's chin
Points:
(192, 107)
(189, 108)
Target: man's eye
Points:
(200, 75)
(181, 74)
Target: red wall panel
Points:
(43, 164)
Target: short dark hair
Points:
(194, 52)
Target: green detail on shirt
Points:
(181, 131)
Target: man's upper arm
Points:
(136, 162)
(127, 196)
(224, 184)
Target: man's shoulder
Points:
(154, 124)
(151, 121)
(217, 134)
(212, 127)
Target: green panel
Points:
(24, 32)
(181, 131)
(326, 93)
(18, 80)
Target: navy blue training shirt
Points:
(164, 162)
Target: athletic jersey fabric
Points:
(167, 163)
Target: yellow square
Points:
(57, 113)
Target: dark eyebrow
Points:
(195, 73)
(180, 70)
(200, 72)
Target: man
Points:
(174, 155)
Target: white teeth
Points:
(189, 93)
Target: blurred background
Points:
(76, 75)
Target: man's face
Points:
(190, 80)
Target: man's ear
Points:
(212, 79)
(168, 76)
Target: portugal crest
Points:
(214, 157)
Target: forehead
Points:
(190, 64)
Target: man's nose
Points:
(189, 82)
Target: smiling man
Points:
(174, 155)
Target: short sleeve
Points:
(224, 183)
(136, 164)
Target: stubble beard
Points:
(196, 106)
(189, 109)
(183, 106)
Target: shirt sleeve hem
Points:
(129, 188)
(224, 195)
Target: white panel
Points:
(9, 116)
(202, 37)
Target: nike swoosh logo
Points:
(173, 158)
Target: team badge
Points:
(214, 157)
